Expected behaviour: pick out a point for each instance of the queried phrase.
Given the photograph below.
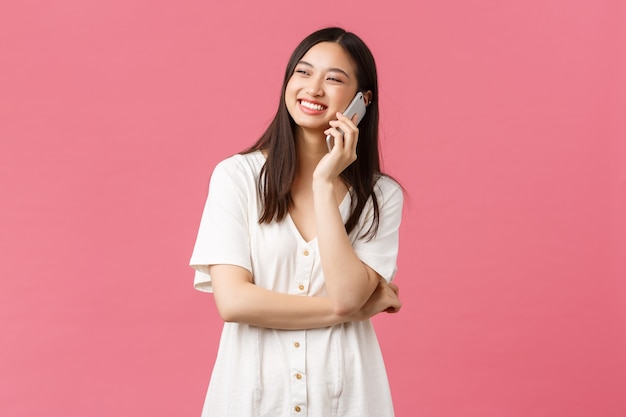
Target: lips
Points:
(312, 106)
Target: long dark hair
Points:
(278, 141)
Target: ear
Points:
(368, 97)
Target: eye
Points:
(301, 71)
(334, 79)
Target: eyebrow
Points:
(332, 69)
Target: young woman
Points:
(299, 245)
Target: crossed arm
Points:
(239, 300)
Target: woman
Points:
(299, 244)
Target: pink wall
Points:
(504, 122)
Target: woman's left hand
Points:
(343, 152)
(385, 298)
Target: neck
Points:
(310, 148)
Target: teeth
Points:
(312, 106)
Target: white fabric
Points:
(333, 371)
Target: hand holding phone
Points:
(356, 106)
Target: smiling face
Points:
(323, 83)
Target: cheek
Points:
(292, 87)
(290, 97)
(345, 97)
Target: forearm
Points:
(349, 282)
(239, 300)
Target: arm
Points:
(239, 300)
(349, 281)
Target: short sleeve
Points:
(381, 252)
(223, 233)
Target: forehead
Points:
(326, 55)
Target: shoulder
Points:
(386, 188)
(242, 162)
(240, 167)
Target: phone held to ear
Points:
(356, 106)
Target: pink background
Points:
(505, 123)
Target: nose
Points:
(314, 87)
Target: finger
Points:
(350, 120)
(345, 124)
(393, 310)
(394, 297)
(394, 307)
(338, 137)
(350, 137)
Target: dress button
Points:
(296, 344)
(306, 253)
(297, 408)
(298, 376)
(301, 287)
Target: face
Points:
(322, 84)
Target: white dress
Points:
(260, 372)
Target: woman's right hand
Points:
(384, 298)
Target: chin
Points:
(309, 125)
(311, 129)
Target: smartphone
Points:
(356, 106)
